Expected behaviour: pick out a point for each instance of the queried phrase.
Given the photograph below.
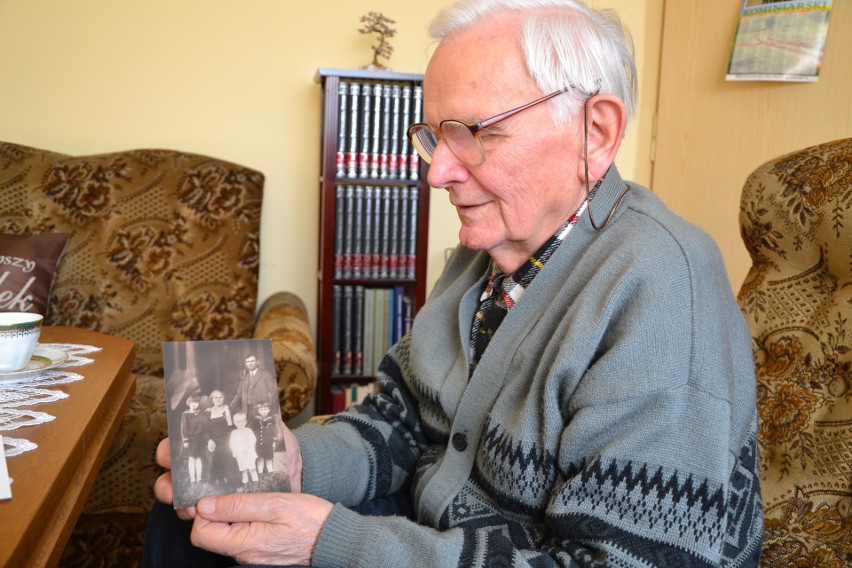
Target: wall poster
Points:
(779, 40)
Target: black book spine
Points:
(337, 329)
(411, 256)
(376, 239)
(417, 105)
(393, 151)
(352, 161)
(339, 222)
(393, 261)
(342, 117)
(386, 124)
(386, 237)
(405, 122)
(358, 234)
(364, 154)
(357, 331)
(346, 324)
(402, 245)
(367, 251)
(377, 131)
(348, 230)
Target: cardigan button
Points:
(459, 441)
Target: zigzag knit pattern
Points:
(606, 511)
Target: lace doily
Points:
(16, 398)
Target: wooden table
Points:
(51, 483)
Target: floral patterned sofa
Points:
(163, 247)
(796, 220)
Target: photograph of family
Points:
(224, 419)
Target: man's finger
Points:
(164, 455)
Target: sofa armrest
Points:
(284, 319)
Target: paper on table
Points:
(5, 482)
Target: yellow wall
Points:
(712, 133)
(232, 79)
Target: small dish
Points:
(43, 358)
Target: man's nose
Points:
(446, 169)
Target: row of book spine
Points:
(344, 395)
(366, 322)
(375, 232)
(372, 122)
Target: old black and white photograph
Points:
(224, 419)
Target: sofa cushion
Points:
(164, 244)
(27, 267)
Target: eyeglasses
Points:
(462, 138)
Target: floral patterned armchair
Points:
(796, 221)
(163, 247)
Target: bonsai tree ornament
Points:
(378, 23)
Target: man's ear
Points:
(607, 119)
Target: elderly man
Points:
(578, 390)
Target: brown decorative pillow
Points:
(27, 266)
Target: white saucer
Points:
(43, 358)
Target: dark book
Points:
(405, 121)
(338, 400)
(393, 151)
(376, 149)
(366, 109)
(411, 256)
(352, 162)
(337, 329)
(222, 405)
(416, 112)
(384, 268)
(339, 222)
(348, 231)
(376, 238)
(358, 233)
(404, 220)
(346, 324)
(367, 230)
(391, 318)
(398, 313)
(367, 330)
(386, 125)
(342, 117)
(358, 331)
(393, 253)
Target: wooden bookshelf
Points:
(411, 281)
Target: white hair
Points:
(564, 42)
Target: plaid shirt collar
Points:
(514, 285)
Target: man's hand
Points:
(164, 490)
(294, 457)
(261, 528)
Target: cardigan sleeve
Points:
(371, 449)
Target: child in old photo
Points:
(193, 428)
(243, 446)
(266, 432)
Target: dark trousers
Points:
(167, 541)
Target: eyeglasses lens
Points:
(424, 141)
(462, 142)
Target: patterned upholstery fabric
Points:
(164, 247)
(796, 220)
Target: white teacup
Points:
(19, 332)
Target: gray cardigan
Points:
(612, 416)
